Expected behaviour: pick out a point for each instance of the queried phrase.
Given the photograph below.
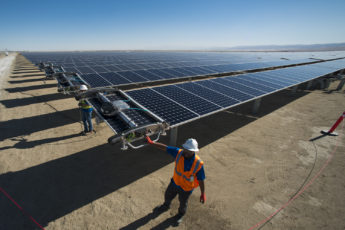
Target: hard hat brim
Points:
(190, 149)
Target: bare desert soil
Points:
(254, 164)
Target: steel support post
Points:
(341, 84)
(327, 83)
(173, 136)
(256, 106)
(310, 83)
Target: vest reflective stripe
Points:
(85, 105)
(186, 180)
(196, 166)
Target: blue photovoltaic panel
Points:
(133, 77)
(155, 66)
(278, 76)
(209, 71)
(99, 69)
(162, 74)
(186, 71)
(85, 70)
(192, 102)
(276, 81)
(233, 93)
(208, 94)
(174, 72)
(197, 70)
(122, 67)
(148, 75)
(165, 108)
(253, 85)
(174, 64)
(112, 68)
(243, 88)
(67, 65)
(115, 78)
(71, 70)
(94, 80)
(256, 79)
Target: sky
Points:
(167, 24)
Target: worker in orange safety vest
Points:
(188, 174)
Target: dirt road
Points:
(254, 164)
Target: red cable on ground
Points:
(20, 208)
(300, 192)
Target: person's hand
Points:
(202, 198)
(149, 140)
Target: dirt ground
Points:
(254, 164)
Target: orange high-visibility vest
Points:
(186, 180)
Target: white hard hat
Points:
(191, 144)
(83, 87)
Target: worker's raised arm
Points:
(156, 144)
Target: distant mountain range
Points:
(289, 48)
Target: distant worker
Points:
(188, 174)
(86, 113)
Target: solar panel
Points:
(132, 76)
(115, 78)
(95, 80)
(191, 101)
(243, 88)
(253, 78)
(85, 70)
(209, 94)
(167, 109)
(148, 75)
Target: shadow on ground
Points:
(11, 103)
(25, 126)
(28, 81)
(23, 143)
(56, 188)
(25, 71)
(39, 74)
(33, 87)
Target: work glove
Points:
(202, 198)
(149, 140)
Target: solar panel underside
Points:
(181, 103)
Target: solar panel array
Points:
(181, 103)
(101, 69)
(184, 102)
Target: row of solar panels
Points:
(181, 103)
(84, 68)
(139, 57)
(118, 78)
(112, 57)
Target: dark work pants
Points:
(86, 117)
(183, 197)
